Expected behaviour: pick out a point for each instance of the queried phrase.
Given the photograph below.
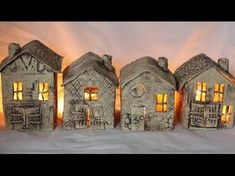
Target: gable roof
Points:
(40, 52)
(197, 65)
(142, 65)
(88, 61)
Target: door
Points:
(137, 118)
(80, 115)
(204, 115)
(32, 117)
(97, 117)
(25, 117)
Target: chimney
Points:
(107, 60)
(163, 63)
(13, 49)
(224, 63)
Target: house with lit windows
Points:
(207, 92)
(90, 84)
(147, 95)
(29, 86)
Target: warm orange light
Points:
(226, 114)
(17, 91)
(204, 86)
(161, 103)
(159, 108)
(218, 93)
(86, 96)
(201, 89)
(198, 95)
(60, 102)
(216, 87)
(43, 91)
(91, 93)
(88, 120)
(159, 98)
(2, 120)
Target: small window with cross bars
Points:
(17, 91)
(226, 114)
(218, 93)
(43, 91)
(91, 93)
(161, 103)
(201, 90)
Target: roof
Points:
(88, 61)
(142, 65)
(197, 65)
(40, 52)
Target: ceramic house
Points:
(207, 92)
(90, 86)
(29, 85)
(147, 95)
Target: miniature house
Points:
(89, 92)
(207, 92)
(29, 84)
(147, 95)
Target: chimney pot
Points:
(13, 49)
(163, 63)
(107, 59)
(224, 63)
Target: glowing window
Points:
(161, 103)
(43, 91)
(201, 91)
(91, 93)
(226, 114)
(218, 93)
(17, 91)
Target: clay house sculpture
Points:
(207, 92)
(147, 95)
(29, 84)
(90, 85)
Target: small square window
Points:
(91, 93)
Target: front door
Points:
(137, 118)
(97, 117)
(204, 115)
(25, 117)
(80, 115)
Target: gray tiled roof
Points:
(86, 62)
(142, 65)
(195, 66)
(40, 52)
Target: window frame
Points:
(90, 90)
(227, 114)
(163, 103)
(17, 91)
(43, 92)
(218, 93)
(200, 92)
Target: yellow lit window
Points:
(161, 103)
(43, 91)
(201, 90)
(218, 93)
(17, 91)
(226, 114)
(91, 93)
